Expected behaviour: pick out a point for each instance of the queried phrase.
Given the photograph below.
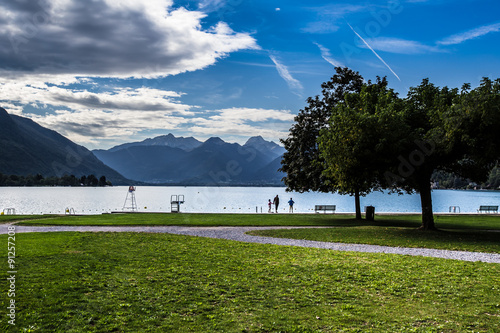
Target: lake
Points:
(92, 200)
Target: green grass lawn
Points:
(13, 218)
(133, 282)
(459, 232)
(479, 222)
(464, 240)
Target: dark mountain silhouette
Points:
(270, 149)
(217, 162)
(28, 148)
(269, 174)
(213, 162)
(143, 163)
(169, 140)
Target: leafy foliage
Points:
(376, 133)
(354, 146)
(446, 180)
(302, 162)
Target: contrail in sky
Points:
(368, 45)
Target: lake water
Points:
(90, 200)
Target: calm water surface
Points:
(90, 200)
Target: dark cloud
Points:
(99, 38)
(72, 128)
(102, 102)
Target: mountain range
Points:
(187, 161)
(28, 148)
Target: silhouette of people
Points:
(270, 206)
(291, 202)
(276, 202)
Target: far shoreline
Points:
(234, 185)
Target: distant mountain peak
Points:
(255, 140)
(268, 148)
(212, 162)
(4, 115)
(215, 140)
(168, 140)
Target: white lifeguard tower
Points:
(130, 203)
(69, 211)
(175, 203)
(9, 211)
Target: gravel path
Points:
(238, 234)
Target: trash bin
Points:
(370, 213)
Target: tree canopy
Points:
(445, 130)
(301, 162)
(366, 138)
(354, 147)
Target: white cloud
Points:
(327, 17)
(111, 38)
(273, 124)
(238, 115)
(53, 50)
(140, 99)
(320, 27)
(400, 46)
(94, 118)
(88, 117)
(93, 126)
(471, 34)
(325, 53)
(211, 5)
(294, 85)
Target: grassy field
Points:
(12, 218)
(476, 222)
(459, 232)
(129, 282)
(453, 239)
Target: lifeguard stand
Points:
(69, 211)
(175, 203)
(9, 211)
(130, 202)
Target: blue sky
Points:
(105, 72)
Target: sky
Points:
(105, 72)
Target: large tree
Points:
(450, 131)
(354, 146)
(424, 146)
(301, 162)
(379, 140)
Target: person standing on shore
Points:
(291, 202)
(276, 202)
(270, 206)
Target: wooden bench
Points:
(488, 209)
(325, 208)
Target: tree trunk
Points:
(358, 204)
(426, 201)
